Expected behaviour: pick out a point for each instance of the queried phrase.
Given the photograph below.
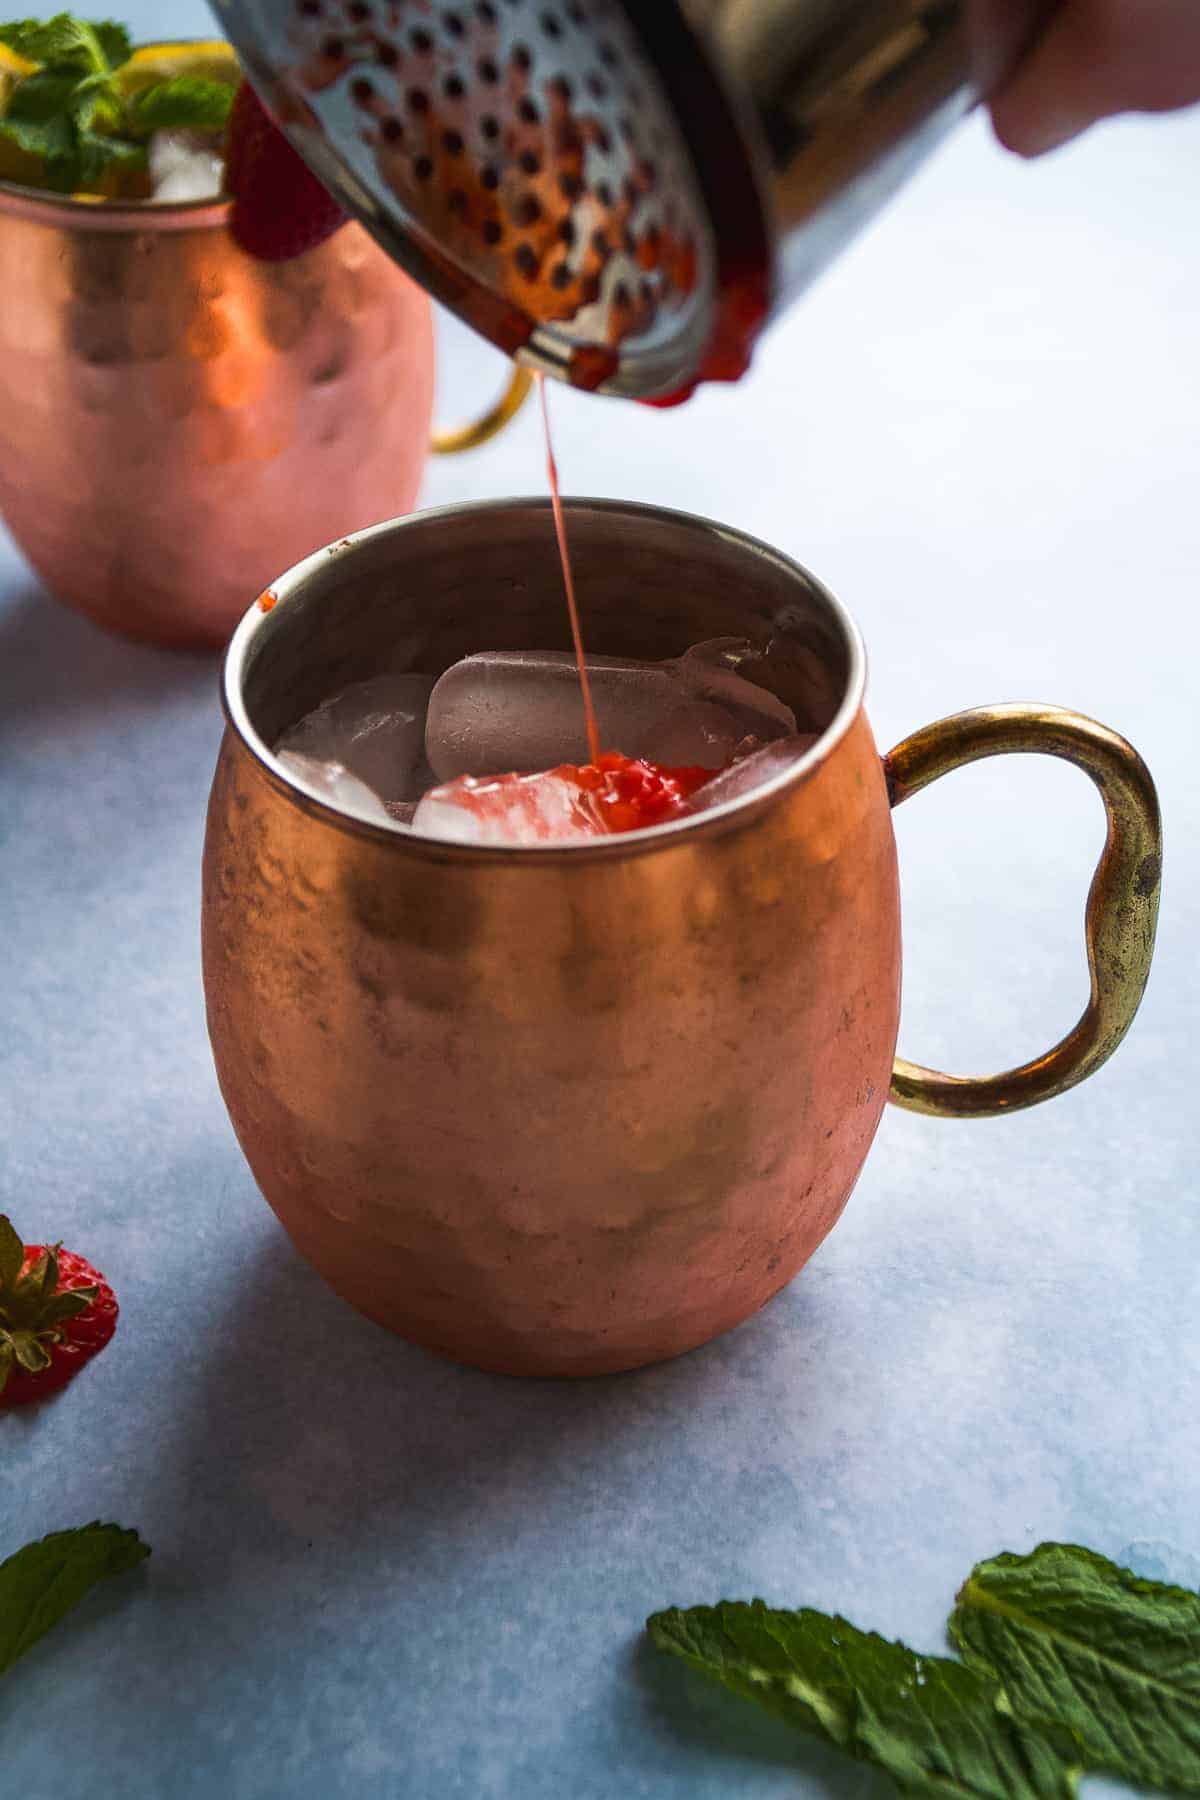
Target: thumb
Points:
(1097, 58)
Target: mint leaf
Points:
(95, 153)
(940, 1730)
(99, 46)
(57, 41)
(46, 95)
(46, 1580)
(1073, 1637)
(32, 38)
(114, 41)
(95, 104)
(185, 103)
(50, 138)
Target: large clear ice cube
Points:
(520, 710)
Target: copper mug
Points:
(178, 422)
(565, 1111)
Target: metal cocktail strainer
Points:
(619, 192)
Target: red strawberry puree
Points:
(615, 793)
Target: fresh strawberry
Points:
(280, 209)
(56, 1313)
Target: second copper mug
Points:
(565, 1111)
(178, 422)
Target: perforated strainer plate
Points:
(519, 157)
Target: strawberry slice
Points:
(280, 209)
(56, 1313)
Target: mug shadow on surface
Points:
(337, 1432)
(53, 660)
(418, 1436)
(307, 1454)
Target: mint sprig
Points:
(46, 1580)
(1069, 1663)
(71, 110)
(1074, 1637)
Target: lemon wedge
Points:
(204, 59)
(12, 68)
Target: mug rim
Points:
(41, 206)
(257, 619)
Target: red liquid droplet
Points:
(560, 528)
(591, 366)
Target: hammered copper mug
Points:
(179, 422)
(565, 1111)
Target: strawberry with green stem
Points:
(56, 1313)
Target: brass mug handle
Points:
(478, 431)
(1122, 906)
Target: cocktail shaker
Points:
(620, 193)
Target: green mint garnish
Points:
(1069, 1663)
(938, 1728)
(68, 42)
(46, 1580)
(72, 111)
(1073, 1637)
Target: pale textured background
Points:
(375, 1574)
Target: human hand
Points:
(1094, 58)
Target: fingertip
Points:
(1028, 133)
(1006, 134)
(1055, 91)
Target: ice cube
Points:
(521, 710)
(713, 672)
(698, 734)
(184, 166)
(334, 783)
(751, 771)
(375, 729)
(544, 808)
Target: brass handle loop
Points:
(1122, 906)
(469, 437)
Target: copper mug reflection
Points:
(178, 422)
(568, 1111)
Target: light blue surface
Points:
(376, 1574)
